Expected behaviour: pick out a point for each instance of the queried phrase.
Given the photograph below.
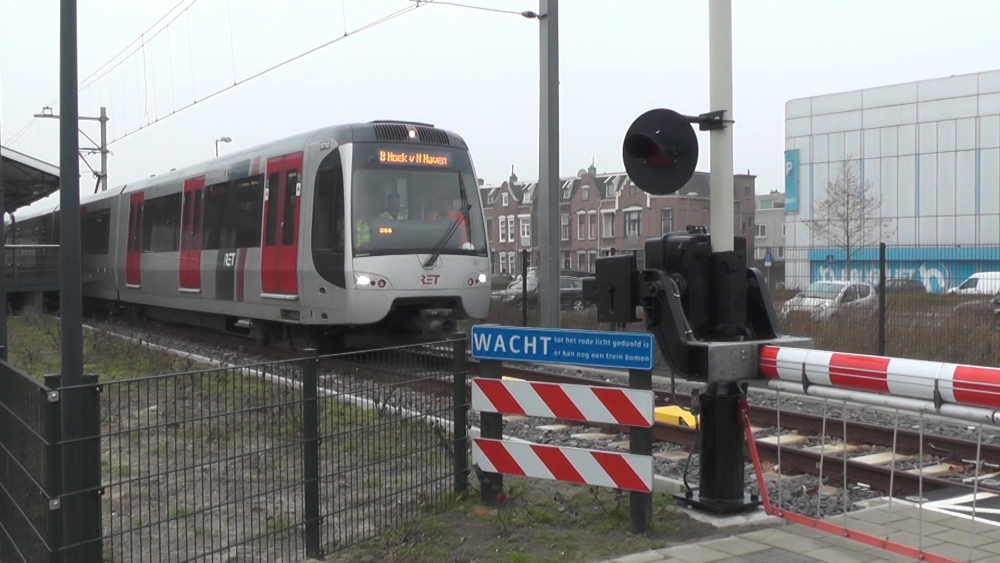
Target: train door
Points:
(279, 247)
(133, 248)
(190, 265)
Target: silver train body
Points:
(295, 238)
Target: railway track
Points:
(799, 453)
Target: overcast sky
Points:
(472, 71)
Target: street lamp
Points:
(687, 219)
(221, 140)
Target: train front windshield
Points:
(409, 199)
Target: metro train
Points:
(255, 242)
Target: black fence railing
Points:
(272, 462)
(30, 472)
(31, 264)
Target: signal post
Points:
(710, 314)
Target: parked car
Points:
(903, 286)
(826, 300)
(501, 280)
(570, 293)
(983, 283)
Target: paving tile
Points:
(694, 553)
(912, 540)
(990, 531)
(918, 513)
(991, 559)
(736, 545)
(805, 531)
(917, 527)
(840, 555)
(992, 547)
(884, 556)
(773, 555)
(877, 515)
(964, 525)
(959, 537)
(798, 544)
(777, 533)
(877, 529)
(958, 552)
(642, 557)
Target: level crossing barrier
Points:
(938, 400)
(494, 397)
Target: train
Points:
(352, 231)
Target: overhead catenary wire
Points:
(274, 67)
(471, 7)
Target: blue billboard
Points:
(938, 269)
(792, 181)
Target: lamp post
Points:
(221, 140)
(687, 218)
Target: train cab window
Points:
(328, 220)
(95, 232)
(161, 224)
(232, 213)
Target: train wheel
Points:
(301, 337)
(260, 332)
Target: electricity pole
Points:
(100, 148)
(548, 164)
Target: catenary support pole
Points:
(548, 165)
(104, 149)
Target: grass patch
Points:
(543, 522)
(34, 347)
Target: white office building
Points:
(929, 149)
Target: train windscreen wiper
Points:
(436, 252)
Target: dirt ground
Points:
(543, 521)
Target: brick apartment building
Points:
(599, 215)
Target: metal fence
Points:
(918, 317)
(271, 462)
(922, 311)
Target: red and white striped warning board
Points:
(957, 384)
(588, 467)
(601, 405)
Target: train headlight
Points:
(478, 278)
(371, 281)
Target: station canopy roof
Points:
(26, 179)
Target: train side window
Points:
(288, 221)
(272, 209)
(328, 209)
(328, 220)
(243, 216)
(215, 209)
(161, 224)
(95, 232)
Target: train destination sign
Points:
(412, 158)
(593, 348)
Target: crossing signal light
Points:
(660, 151)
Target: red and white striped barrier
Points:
(970, 386)
(603, 405)
(574, 465)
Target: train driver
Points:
(392, 210)
(446, 212)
